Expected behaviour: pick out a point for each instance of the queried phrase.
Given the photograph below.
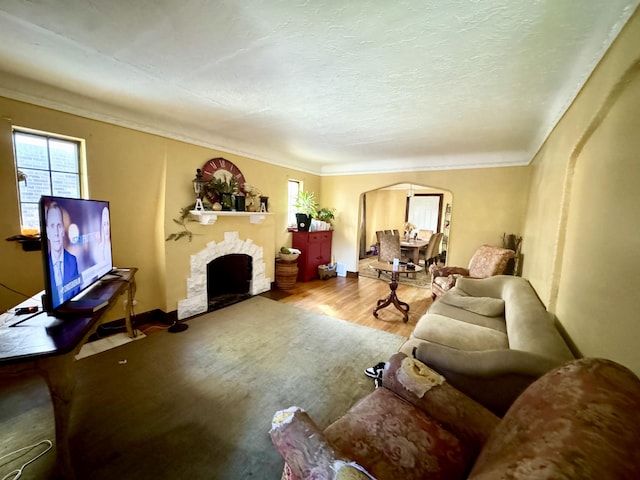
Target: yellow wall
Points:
(576, 206)
(386, 210)
(486, 203)
(582, 235)
(147, 179)
(118, 161)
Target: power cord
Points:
(18, 472)
(14, 291)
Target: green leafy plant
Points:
(219, 186)
(326, 214)
(306, 203)
(185, 218)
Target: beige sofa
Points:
(490, 338)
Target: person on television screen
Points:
(63, 266)
(103, 250)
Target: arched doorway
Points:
(387, 208)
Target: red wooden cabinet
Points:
(316, 250)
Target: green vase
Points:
(227, 201)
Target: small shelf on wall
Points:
(209, 217)
(29, 243)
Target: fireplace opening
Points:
(228, 280)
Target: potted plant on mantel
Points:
(225, 189)
(307, 208)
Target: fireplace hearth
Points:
(221, 301)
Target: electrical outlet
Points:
(125, 302)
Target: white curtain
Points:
(423, 211)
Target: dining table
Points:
(414, 246)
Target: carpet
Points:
(198, 404)
(422, 280)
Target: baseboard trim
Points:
(138, 320)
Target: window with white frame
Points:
(47, 165)
(295, 186)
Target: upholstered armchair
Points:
(486, 262)
(577, 422)
(406, 429)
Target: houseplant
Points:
(185, 218)
(225, 189)
(326, 215)
(307, 208)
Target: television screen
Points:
(76, 246)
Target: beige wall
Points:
(582, 235)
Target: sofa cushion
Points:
(487, 306)
(391, 439)
(441, 308)
(458, 334)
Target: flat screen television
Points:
(76, 251)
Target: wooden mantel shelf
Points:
(209, 217)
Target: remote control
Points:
(25, 310)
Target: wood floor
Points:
(353, 299)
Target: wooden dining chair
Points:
(388, 245)
(433, 250)
(424, 235)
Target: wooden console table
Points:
(392, 298)
(47, 345)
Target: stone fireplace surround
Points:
(197, 301)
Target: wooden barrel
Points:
(286, 274)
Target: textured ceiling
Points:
(328, 86)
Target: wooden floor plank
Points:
(353, 299)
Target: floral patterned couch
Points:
(579, 421)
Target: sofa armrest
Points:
(451, 408)
(306, 450)
(436, 271)
(493, 378)
(578, 422)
